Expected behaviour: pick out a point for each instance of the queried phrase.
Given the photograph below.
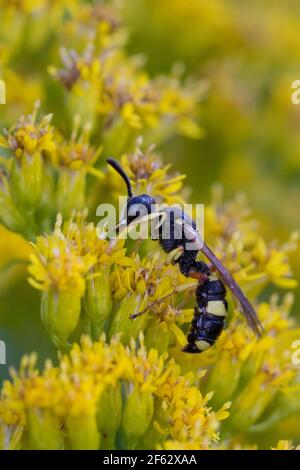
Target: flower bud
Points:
(157, 336)
(83, 432)
(98, 302)
(155, 432)
(11, 217)
(284, 405)
(109, 415)
(122, 323)
(254, 361)
(43, 430)
(137, 415)
(60, 311)
(249, 406)
(70, 191)
(224, 378)
(256, 397)
(27, 180)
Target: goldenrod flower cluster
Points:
(105, 395)
(114, 383)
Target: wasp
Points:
(211, 305)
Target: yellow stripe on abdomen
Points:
(216, 307)
(202, 345)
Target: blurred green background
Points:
(246, 54)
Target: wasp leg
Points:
(176, 290)
(156, 302)
(175, 255)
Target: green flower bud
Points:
(157, 336)
(70, 191)
(85, 104)
(154, 433)
(137, 415)
(43, 430)
(110, 415)
(11, 217)
(283, 406)
(98, 302)
(60, 313)
(224, 378)
(249, 405)
(122, 324)
(251, 367)
(27, 180)
(47, 210)
(83, 432)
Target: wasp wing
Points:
(244, 305)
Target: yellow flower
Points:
(77, 152)
(111, 388)
(92, 241)
(193, 423)
(179, 104)
(58, 264)
(29, 136)
(104, 81)
(58, 269)
(285, 445)
(149, 175)
(138, 287)
(29, 142)
(130, 116)
(72, 397)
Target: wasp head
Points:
(137, 206)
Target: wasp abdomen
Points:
(209, 316)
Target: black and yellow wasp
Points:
(211, 306)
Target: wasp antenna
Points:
(117, 167)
